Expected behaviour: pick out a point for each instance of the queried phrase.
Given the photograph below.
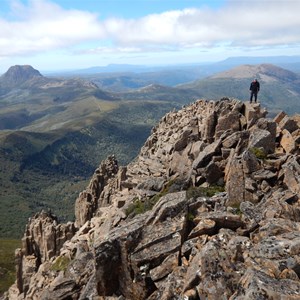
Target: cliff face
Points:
(208, 210)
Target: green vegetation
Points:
(236, 209)
(258, 152)
(60, 264)
(141, 206)
(7, 263)
(190, 217)
(136, 207)
(194, 192)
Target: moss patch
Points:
(258, 152)
(60, 264)
(141, 206)
(195, 192)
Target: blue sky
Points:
(74, 34)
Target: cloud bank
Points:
(42, 26)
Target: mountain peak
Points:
(19, 74)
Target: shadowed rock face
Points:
(158, 228)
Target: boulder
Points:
(287, 141)
(288, 124)
(261, 138)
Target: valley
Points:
(7, 263)
(47, 170)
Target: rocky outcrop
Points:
(42, 241)
(208, 210)
(89, 200)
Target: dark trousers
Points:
(255, 96)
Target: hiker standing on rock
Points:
(254, 88)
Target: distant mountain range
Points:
(124, 77)
(54, 131)
(32, 102)
(288, 62)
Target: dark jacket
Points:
(254, 87)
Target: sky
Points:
(54, 35)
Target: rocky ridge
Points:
(208, 210)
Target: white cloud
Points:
(255, 24)
(100, 50)
(43, 26)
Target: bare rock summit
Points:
(209, 209)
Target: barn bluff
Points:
(208, 210)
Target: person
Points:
(254, 88)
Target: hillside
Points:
(280, 89)
(53, 133)
(209, 209)
(291, 63)
(165, 93)
(266, 72)
(27, 97)
(38, 168)
(128, 81)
